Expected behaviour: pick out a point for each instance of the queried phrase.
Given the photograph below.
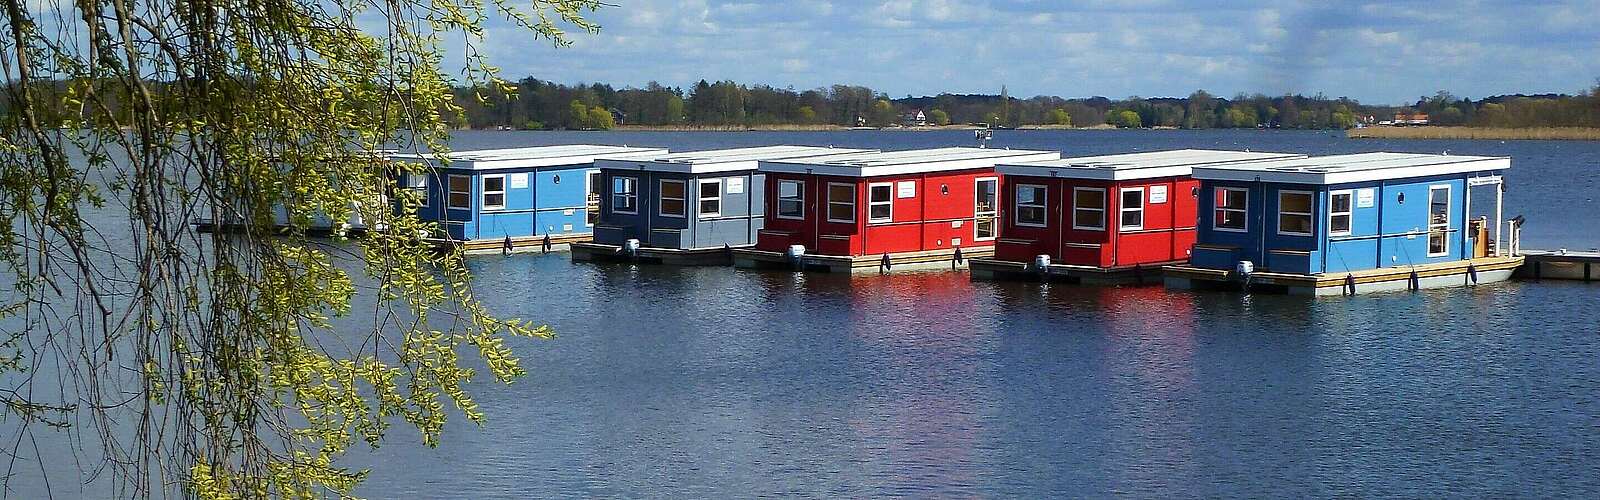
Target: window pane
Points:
(1294, 202)
(1339, 202)
(1133, 218)
(843, 193)
(459, 183)
(983, 228)
(672, 189)
(879, 211)
(710, 189)
(622, 185)
(1232, 199)
(672, 207)
(1091, 199)
(841, 211)
(1029, 195)
(1030, 214)
(1294, 223)
(789, 208)
(1339, 224)
(416, 181)
(1132, 199)
(882, 193)
(494, 200)
(494, 183)
(711, 207)
(1230, 219)
(788, 189)
(1087, 218)
(460, 200)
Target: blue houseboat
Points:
(503, 199)
(686, 208)
(1350, 224)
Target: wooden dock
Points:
(1560, 265)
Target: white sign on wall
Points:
(735, 185)
(519, 181)
(1158, 194)
(1364, 198)
(908, 189)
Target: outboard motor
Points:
(631, 247)
(795, 254)
(1244, 269)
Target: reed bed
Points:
(1491, 133)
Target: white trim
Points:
(1349, 213)
(777, 211)
(724, 160)
(1311, 215)
(890, 202)
(633, 195)
(1043, 204)
(1104, 204)
(683, 198)
(1449, 204)
(827, 194)
(1244, 212)
(1122, 195)
(419, 187)
(907, 162)
(576, 155)
(1131, 166)
(450, 192)
(483, 192)
(591, 208)
(700, 197)
(993, 212)
(1346, 169)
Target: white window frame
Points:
(483, 195)
(661, 198)
(1449, 208)
(591, 199)
(1044, 203)
(421, 188)
(890, 202)
(1217, 207)
(1124, 209)
(1311, 217)
(1104, 203)
(854, 197)
(450, 192)
(800, 189)
(994, 209)
(701, 199)
(1349, 213)
(630, 195)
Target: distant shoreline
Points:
(1477, 133)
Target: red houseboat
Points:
(885, 211)
(1112, 219)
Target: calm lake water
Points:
(723, 383)
(674, 382)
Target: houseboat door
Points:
(1438, 221)
(983, 209)
(591, 204)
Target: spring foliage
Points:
(226, 365)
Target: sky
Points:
(1376, 52)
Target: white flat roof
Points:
(1341, 169)
(1127, 166)
(723, 160)
(537, 156)
(914, 161)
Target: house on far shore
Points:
(1402, 119)
(915, 118)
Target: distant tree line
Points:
(1512, 111)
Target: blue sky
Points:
(1378, 52)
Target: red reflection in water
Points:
(1151, 339)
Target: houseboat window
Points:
(1438, 221)
(711, 198)
(460, 195)
(791, 199)
(1339, 213)
(1089, 208)
(1031, 200)
(672, 198)
(625, 195)
(1294, 213)
(494, 192)
(591, 200)
(1132, 208)
(984, 208)
(880, 205)
(1231, 206)
(841, 202)
(418, 183)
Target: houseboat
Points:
(883, 211)
(1351, 224)
(686, 208)
(1114, 219)
(503, 199)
